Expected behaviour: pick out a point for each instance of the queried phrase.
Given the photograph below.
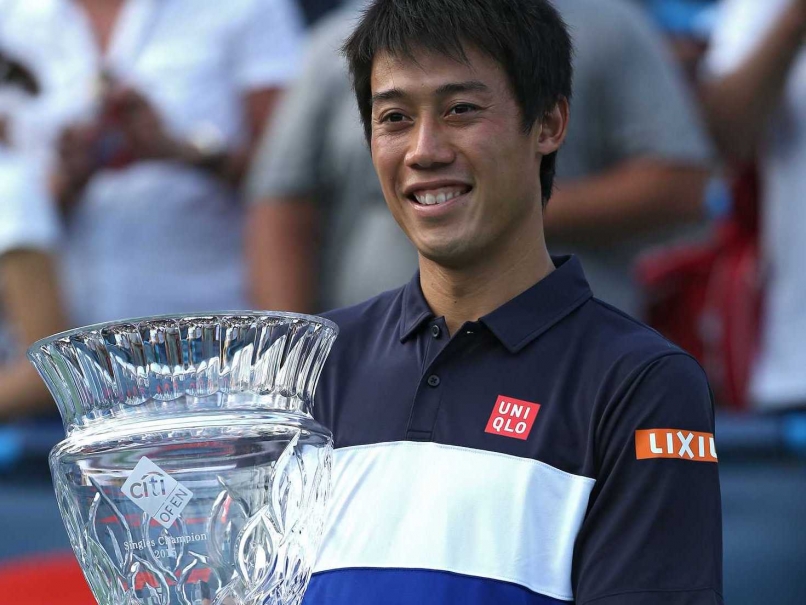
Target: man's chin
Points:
(455, 257)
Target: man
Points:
(176, 95)
(501, 436)
(29, 293)
(319, 235)
(755, 94)
(30, 301)
(632, 174)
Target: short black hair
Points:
(528, 38)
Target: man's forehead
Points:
(429, 70)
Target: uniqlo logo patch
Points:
(674, 443)
(512, 418)
(157, 494)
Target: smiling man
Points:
(501, 435)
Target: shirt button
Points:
(436, 331)
(433, 380)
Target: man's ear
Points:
(553, 128)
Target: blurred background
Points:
(172, 156)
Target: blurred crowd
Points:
(177, 156)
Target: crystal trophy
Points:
(192, 472)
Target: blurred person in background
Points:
(176, 94)
(29, 295)
(319, 233)
(755, 95)
(687, 26)
(316, 9)
(632, 171)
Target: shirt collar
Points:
(518, 322)
(415, 310)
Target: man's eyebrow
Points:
(395, 94)
(458, 87)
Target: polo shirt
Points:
(553, 451)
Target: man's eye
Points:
(461, 108)
(393, 118)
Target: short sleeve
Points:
(287, 162)
(646, 107)
(652, 534)
(27, 217)
(268, 44)
(740, 27)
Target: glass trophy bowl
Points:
(192, 472)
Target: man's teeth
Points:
(429, 199)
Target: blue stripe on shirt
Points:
(415, 587)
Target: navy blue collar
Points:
(518, 322)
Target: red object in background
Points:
(707, 298)
(57, 580)
(44, 580)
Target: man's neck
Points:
(466, 294)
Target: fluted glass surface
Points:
(192, 472)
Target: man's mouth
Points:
(432, 197)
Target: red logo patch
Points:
(512, 418)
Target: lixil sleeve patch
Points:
(675, 443)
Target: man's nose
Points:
(430, 146)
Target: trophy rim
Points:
(219, 315)
(92, 381)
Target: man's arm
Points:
(31, 300)
(641, 124)
(266, 57)
(740, 104)
(652, 534)
(282, 243)
(633, 197)
(285, 185)
(232, 165)
(148, 139)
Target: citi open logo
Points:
(155, 492)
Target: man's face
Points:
(458, 172)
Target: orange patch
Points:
(675, 443)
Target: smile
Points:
(432, 197)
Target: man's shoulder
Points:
(631, 377)
(627, 347)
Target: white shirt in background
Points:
(780, 375)
(27, 217)
(161, 237)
